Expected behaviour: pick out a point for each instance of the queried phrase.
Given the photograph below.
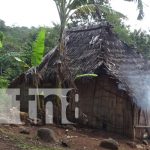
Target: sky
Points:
(130, 10)
(28, 12)
(43, 12)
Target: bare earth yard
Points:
(81, 139)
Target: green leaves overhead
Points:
(77, 3)
(88, 15)
(65, 8)
(38, 48)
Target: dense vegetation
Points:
(18, 42)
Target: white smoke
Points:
(138, 82)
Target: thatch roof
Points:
(89, 48)
(98, 50)
(93, 49)
(52, 70)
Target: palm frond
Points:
(90, 9)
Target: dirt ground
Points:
(78, 139)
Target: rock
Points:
(24, 130)
(145, 142)
(46, 135)
(110, 144)
(131, 144)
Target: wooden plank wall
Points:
(105, 107)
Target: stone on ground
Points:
(46, 134)
(110, 144)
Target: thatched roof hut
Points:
(118, 99)
(114, 100)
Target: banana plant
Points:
(38, 49)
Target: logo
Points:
(11, 109)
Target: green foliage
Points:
(141, 40)
(1, 36)
(3, 82)
(115, 18)
(52, 36)
(66, 7)
(24, 66)
(1, 44)
(15, 55)
(2, 25)
(78, 3)
(87, 15)
(38, 48)
(17, 42)
(1, 39)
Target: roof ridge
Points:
(89, 28)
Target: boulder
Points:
(110, 144)
(46, 134)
